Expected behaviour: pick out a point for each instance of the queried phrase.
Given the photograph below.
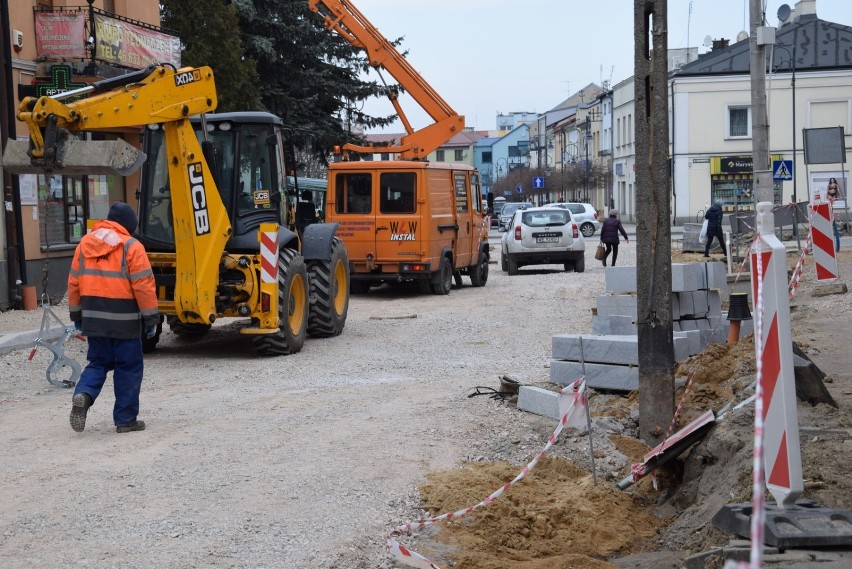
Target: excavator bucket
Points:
(75, 157)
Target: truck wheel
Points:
(445, 281)
(457, 278)
(185, 329)
(329, 293)
(479, 272)
(292, 308)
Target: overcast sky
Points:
(490, 56)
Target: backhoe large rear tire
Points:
(293, 307)
(329, 293)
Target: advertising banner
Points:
(129, 45)
(60, 35)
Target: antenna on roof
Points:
(784, 12)
(743, 35)
(708, 41)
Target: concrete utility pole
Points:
(763, 190)
(653, 212)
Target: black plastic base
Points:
(802, 525)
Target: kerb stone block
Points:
(598, 376)
(539, 401)
(688, 276)
(616, 305)
(620, 279)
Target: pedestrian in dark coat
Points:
(112, 298)
(714, 228)
(609, 235)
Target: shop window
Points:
(736, 192)
(739, 122)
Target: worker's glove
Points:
(78, 325)
(150, 332)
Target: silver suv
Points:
(584, 214)
(543, 236)
(508, 211)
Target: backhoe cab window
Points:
(258, 176)
(256, 173)
(398, 192)
(353, 193)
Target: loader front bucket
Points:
(75, 157)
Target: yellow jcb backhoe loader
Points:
(212, 204)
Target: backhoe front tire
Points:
(293, 290)
(329, 293)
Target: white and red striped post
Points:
(268, 237)
(822, 233)
(782, 455)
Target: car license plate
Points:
(547, 239)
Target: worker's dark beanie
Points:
(122, 213)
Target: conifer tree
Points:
(210, 35)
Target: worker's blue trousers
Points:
(124, 359)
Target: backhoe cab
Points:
(214, 213)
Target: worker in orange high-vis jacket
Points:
(112, 299)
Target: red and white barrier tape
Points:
(800, 265)
(572, 407)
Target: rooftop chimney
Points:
(805, 8)
(720, 44)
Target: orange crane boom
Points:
(345, 19)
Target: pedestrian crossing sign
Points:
(782, 170)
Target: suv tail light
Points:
(574, 231)
(596, 215)
(517, 233)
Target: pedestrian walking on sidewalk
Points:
(609, 235)
(714, 228)
(112, 298)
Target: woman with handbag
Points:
(609, 235)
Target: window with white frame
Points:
(739, 121)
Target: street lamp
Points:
(569, 156)
(792, 66)
(586, 137)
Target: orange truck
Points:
(405, 219)
(410, 221)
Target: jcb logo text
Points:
(199, 199)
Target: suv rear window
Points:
(545, 218)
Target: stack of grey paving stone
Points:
(611, 353)
(609, 356)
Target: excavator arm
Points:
(345, 19)
(159, 94)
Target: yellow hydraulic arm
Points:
(159, 94)
(345, 19)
